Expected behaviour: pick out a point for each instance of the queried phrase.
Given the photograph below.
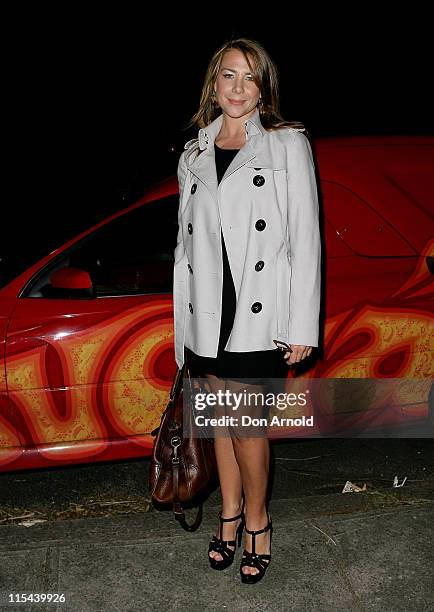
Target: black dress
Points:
(250, 366)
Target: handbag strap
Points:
(177, 507)
(174, 390)
(176, 441)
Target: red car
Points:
(87, 331)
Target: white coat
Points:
(267, 207)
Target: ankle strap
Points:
(267, 528)
(233, 518)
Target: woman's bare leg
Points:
(228, 471)
(253, 458)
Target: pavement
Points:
(331, 551)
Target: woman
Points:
(247, 271)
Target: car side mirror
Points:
(70, 282)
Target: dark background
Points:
(97, 104)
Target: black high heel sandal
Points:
(221, 546)
(252, 559)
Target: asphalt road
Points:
(300, 468)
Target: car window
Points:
(133, 254)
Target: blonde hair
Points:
(264, 74)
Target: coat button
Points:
(258, 180)
(260, 225)
(190, 269)
(259, 266)
(257, 168)
(256, 307)
(190, 307)
(193, 188)
(190, 228)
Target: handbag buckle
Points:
(175, 442)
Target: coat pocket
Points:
(283, 290)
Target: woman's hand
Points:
(299, 352)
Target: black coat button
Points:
(257, 307)
(190, 307)
(260, 225)
(257, 168)
(190, 269)
(193, 188)
(258, 180)
(259, 266)
(190, 228)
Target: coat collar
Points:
(207, 135)
(252, 154)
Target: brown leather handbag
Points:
(182, 466)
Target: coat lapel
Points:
(252, 154)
